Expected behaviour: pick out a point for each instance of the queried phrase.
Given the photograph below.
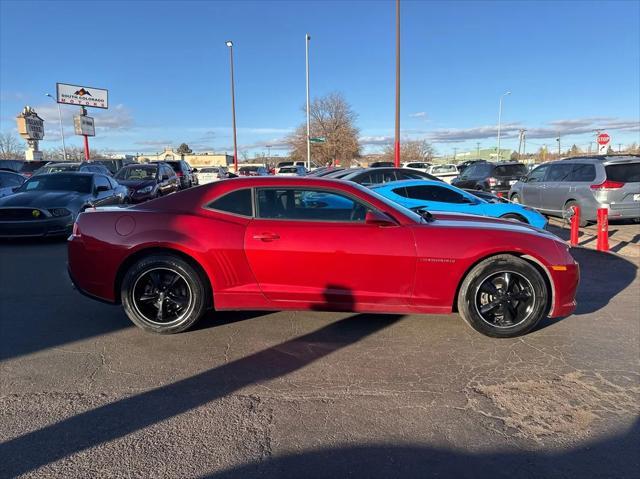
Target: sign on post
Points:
(84, 125)
(318, 139)
(30, 125)
(603, 143)
(82, 95)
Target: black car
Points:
(492, 177)
(466, 164)
(23, 167)
(183, 171)
(376, 176)
(68, 166)
(381, 164)
(145, 182)
(47, 205)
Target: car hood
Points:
(136, 184)
(462, 220)
(42, 199)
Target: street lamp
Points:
(500, 120)
(64, 147)
(396, 146)
(307, 37)
(229, 44)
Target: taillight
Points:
(608, 185)
(179, 174)
(76, 230)
(492, 182)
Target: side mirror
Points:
(195, 170)
(524, 179)
(378, 219)
(165, 177)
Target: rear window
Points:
(289, 169)
(31, 166)
(237, 202)
(511, 170)
(624, 173)
(478, 171)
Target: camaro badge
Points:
(35, 213)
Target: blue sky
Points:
(572, 67)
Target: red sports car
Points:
(276, 243)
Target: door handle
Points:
(266, 237)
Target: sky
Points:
(572, 67)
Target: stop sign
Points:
(603, 139)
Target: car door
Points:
(322, 252)
(556, 186)
(532, 188)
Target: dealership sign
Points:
(82, 95)
(84, 125)
(30, 125)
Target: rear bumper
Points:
(92, 277)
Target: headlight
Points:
(146, 189)
(59, 212)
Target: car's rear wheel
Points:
(567, 213)
(514, 216)
(503, 296)
(163, 294)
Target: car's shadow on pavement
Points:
(602, 277)
(612, 457)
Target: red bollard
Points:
(575, 225)
(603, 229)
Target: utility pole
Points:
(307, 37)
(524, 142)
(619, 147)
(397, 139)
(520, 135)
(500, 122)
(478, 149)
(558, 140)
(455, 152)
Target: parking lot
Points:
(313, 394)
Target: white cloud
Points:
(420, 114)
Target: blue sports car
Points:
(439, 196)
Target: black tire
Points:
(566, 209)
(514, 216)
(526, 293)
(159, 285)
(515, 198)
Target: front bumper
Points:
(565, 287)
(60, 226)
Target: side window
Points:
(310, 205)
(102, 181)
(434, 193)
(559, 172)
(537, 175)
(237, 202)
(583, 173)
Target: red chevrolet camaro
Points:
(283, 243)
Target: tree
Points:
(10, 147)
(410, 150)
(184, 149)
(74, 153)
(575, 151)
(332, 118)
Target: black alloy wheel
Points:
(165, 294)
(505, 299)
(503, 296)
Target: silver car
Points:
(611, 182)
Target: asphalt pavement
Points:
(83, 393)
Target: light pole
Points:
(397, 132)
(229, 43)
(64, 147)
(307, 37)
(500, 121)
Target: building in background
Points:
(207, 158)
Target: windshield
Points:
(289, 169)
(137, 173)
(78, 182)
(59, 168)
(391, 204)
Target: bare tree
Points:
(411, 150)
(74, 153)
(333, 119)
(10, 147)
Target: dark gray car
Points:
(611, 182)
(47, 205)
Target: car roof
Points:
(74, 173)
(598, 159)
(406, 183)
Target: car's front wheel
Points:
(514, 217)
(164, 294)
(503, 296)
(515, 198)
